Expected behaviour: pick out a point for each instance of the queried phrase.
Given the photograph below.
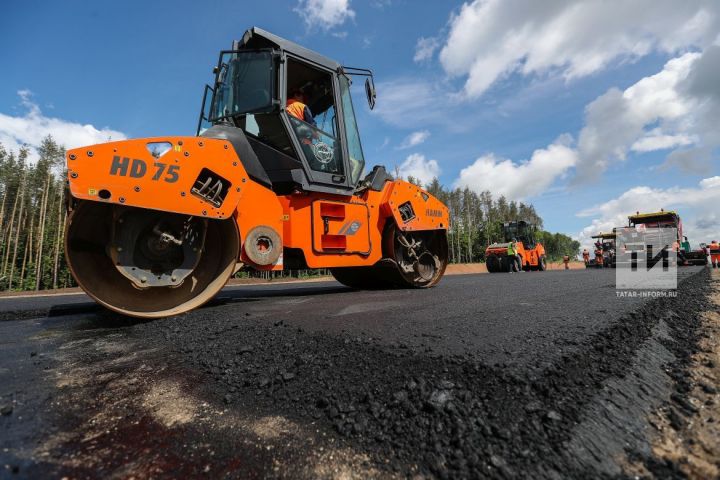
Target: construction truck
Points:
(158, 225)
(664, 221)
(519, 249)
(604, 250)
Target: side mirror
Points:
(370, 92)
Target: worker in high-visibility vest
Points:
(511, 252)
(714, 250)
(297, 108)
(598, 254)
(566, 261)
(586, 256)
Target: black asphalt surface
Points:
(481, 376)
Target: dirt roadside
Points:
(688, 431)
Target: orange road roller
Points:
(273, 180)
(519, 251)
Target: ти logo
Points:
(646, 259)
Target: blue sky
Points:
(523, 108)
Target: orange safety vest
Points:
(586, 254)
(296, 109)
(714, 249)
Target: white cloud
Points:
(414, 139)
(677, 107)
(32, 127)
(324, 14)
(490, 39)
(518, 181)
(416, 165)
(696, 205)
(425, 48)
(658, 141)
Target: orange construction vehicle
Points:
(713, 249)
(158, 225)
(518, 251)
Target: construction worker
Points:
(566, 261)
(297, 108)
(511, 252)
(714, 249)
(586, 256)
(598, 255)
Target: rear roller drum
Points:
(146, 263)
(410, 260)
(542, 263)
(492, 263)
(420, 257)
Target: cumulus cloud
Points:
(491, 39)
(324, 14)
(33, 126)
(517, 181)
(677, 107)
(696, 205)
(414, 139)
(425, 48)
(658, 141)
(416, 165)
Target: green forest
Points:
(33, 218)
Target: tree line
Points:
(33, 218)
(476, 222)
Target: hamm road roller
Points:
(519, 251)
(273, 180)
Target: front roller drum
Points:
(146, 263)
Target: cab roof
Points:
(665, 214)
(256, 37)
(605, 235)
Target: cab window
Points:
(357, 160)
(311, 109)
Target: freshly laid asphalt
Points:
(481, 376)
